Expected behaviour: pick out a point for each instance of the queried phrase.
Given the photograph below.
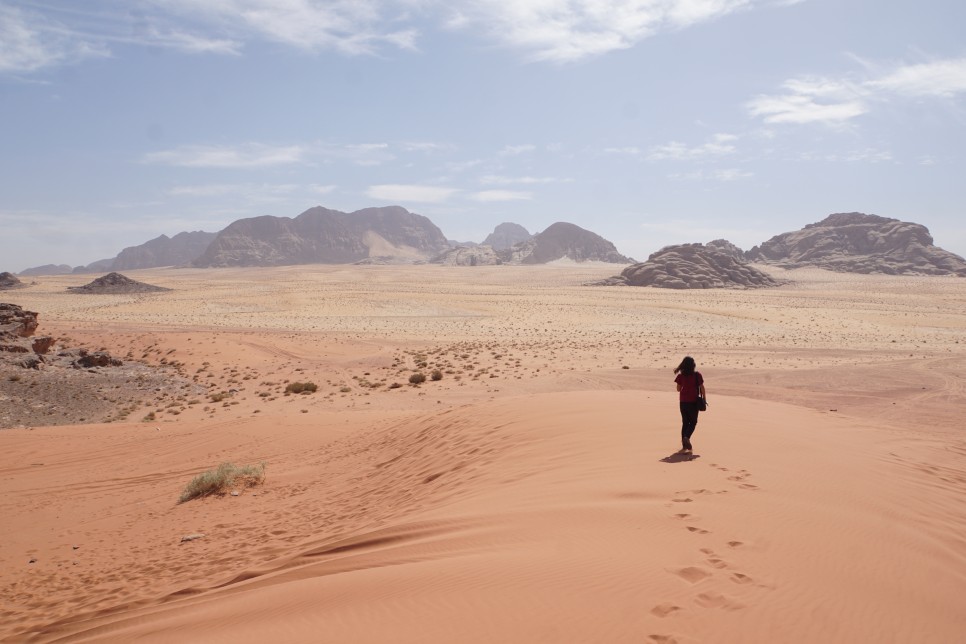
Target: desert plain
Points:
(530, 494)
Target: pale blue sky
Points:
(649, 122)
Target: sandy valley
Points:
(527, 493)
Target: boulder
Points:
(9, 281)
(15, 322)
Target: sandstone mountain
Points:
(114, 284)
(858, 243)
(686, 266)
(46, 269)
(181, 249)
(563, 241)
(506, 235)
(324, 236)
(94, 267)
(468, 256)
(9, 281)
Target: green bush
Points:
(218, 480)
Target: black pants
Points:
(689, 420)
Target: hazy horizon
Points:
(648, 123)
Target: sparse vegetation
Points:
(301, 388)
(220, 479)
(417, 378)
(436, 375)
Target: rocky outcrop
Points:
(15, 322)
(46, 269)
(324, 236)
(9, 281)
(468, 256)
(115, 284)
(564, 241)
(179, 250)
(859, 243)
(688, 266)
(506, 235)
(726, 246)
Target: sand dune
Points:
(543, 504)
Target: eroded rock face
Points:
(114, 284)
(324, 236)
(468, 256)
(687, 266)
(15, 322)
(563, 240)
(858, 243)
(506, 235)
(9, 281)
(179, 250)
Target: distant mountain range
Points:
(847, 242)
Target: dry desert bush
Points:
(220, 479)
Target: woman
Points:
(690, 385)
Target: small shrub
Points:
(301, 388)
(395, 385)
(218, 397)
(417, 378)
(218, 480)
(436, 375)
(14, 378)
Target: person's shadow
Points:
(678, 457)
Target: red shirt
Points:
(689, 386)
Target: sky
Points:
(649, 122)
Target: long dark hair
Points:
(686, 367)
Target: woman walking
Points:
(690, 386)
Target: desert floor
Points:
(529, 495)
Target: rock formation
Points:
(727, 247)
(46, 269)
(179, 250)
(468, 256)
(115, 284)
(858, 243)
(506, 235)
(320, 235)
(563, 241)
(694, 266)
(15, 322)
(9, 281)
(94, 267)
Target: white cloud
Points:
(251, 155)
(732, 174)
(494, 179)
(811, 100)
(835, 101)
(628, 150)
(407, 192)
(502, 195)
(569, 30)
(29, 42)
(939, 78)
(720, 144)
(514, 150)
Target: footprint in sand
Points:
(663, 610)
(716, 562)
(692, 574)
(735, 544)
(712, 599)
(748, 486)
(684, 500)
(740, 578)
(694, 529)
(682, 515)
(663, 639)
